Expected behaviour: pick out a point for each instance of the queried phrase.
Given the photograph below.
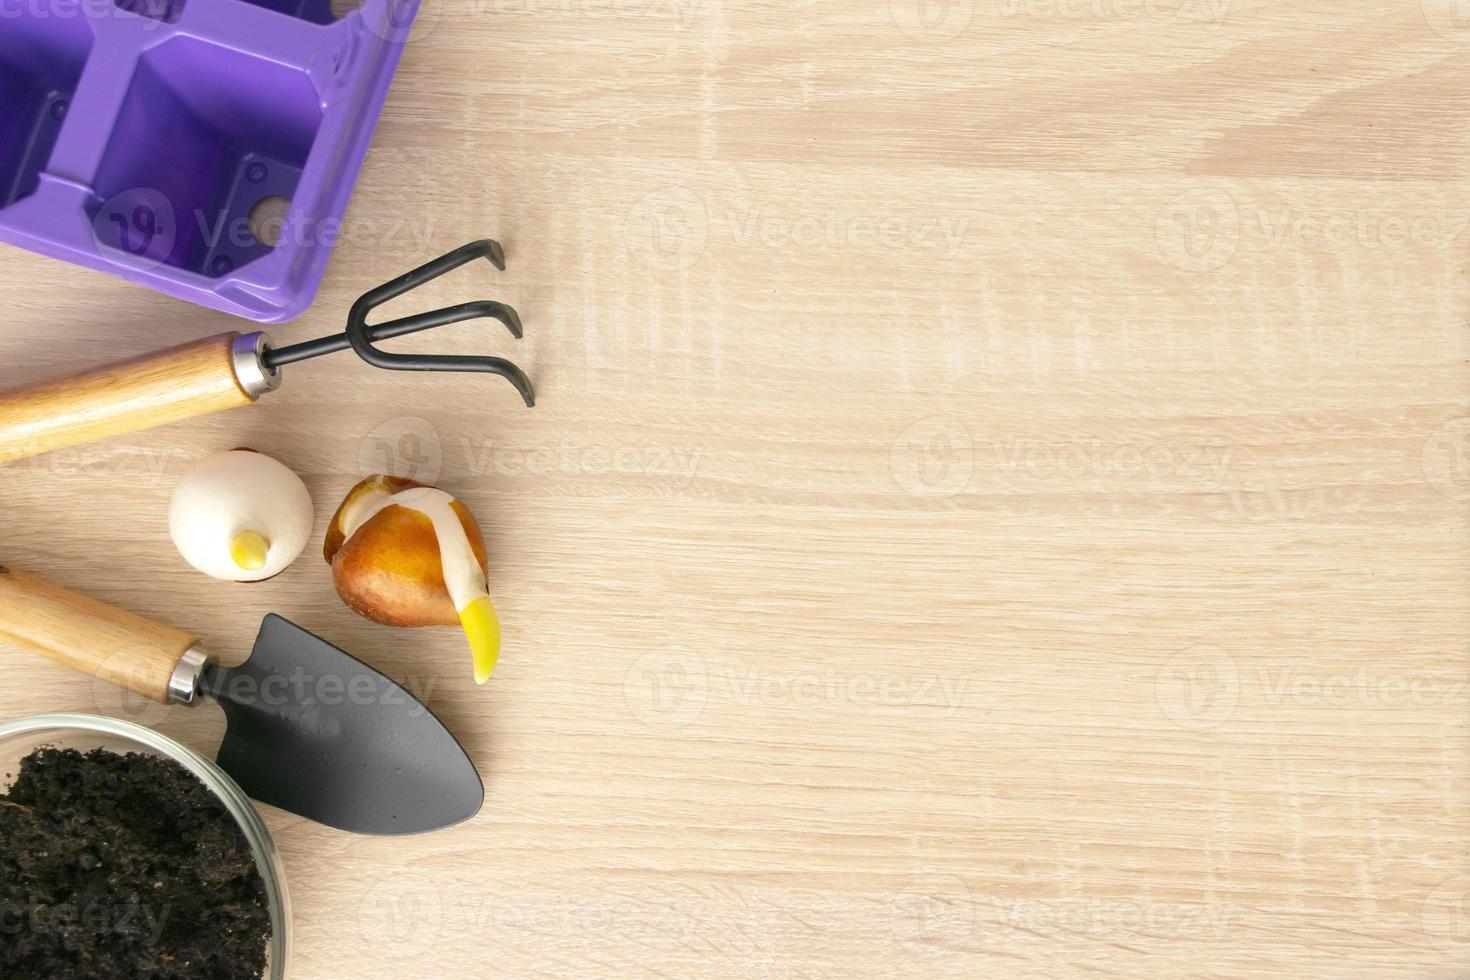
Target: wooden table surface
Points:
(997, 504)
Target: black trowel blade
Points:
(319, 733)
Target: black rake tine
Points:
(361, 336)
(489, 309)
(429, 271)
(498, 366)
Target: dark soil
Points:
(124, 866)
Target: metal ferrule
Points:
(183, 685)
(247, 355)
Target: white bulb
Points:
(225, 497)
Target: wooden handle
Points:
(183, 382)
(88, 635)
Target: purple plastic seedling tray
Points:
(147, 138)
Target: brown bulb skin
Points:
(390, 571)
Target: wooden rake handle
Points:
(183, 382)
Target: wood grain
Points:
(183, 382)
(996, 505)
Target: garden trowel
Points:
(311, 729)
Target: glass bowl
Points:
(19, 739)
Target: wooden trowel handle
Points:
(90, 636)
(183, 382)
